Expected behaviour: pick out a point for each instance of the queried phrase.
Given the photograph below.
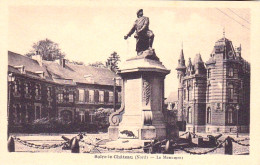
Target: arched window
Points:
(231, 72)
(230, 116)
(209, 115)
(230, 92)
(189, 115)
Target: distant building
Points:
(57, 89)
(215, 96)
(172, 101)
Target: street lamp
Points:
(237, 108)
(11, 79)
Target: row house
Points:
(45, 89)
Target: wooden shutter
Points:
(77, 95)
(86, 96)
(116, 97)
(96, 96)
(106, 95)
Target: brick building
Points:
(215, 96)
(57, 89)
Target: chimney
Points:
(62, 62)
(38, 57)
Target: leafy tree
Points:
(75, 62)
(112, 61)
(97, 64)
(48, 49)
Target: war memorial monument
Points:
(140, 116)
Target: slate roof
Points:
(78, 73)
(53, 71)
(31, 66)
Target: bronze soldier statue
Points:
(144, 36)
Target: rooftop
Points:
(70, 74)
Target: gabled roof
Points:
(31, 65)
(70, 74)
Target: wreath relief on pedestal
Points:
(146, 91)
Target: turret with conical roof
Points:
(181, 62)
(181, 69)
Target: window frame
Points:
(101, 96)
(110, 97)
(91, 96)
(60, 97)
(71, 97)
(81, 95)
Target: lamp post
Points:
(237, 108)
(11, 79)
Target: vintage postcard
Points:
(153, 81)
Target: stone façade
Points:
(210, 93)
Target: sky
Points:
(92, 33)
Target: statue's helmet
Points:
(138, 11)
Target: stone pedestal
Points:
(140, 116)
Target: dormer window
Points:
(21, 69)
(40, 73)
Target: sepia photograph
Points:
(141, 82)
